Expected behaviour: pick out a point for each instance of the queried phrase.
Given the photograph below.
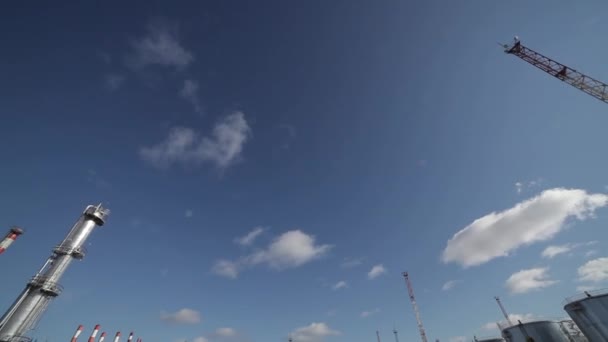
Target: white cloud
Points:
(190, 92)
(366, 314)
(289, 250)
(315, 332)
(188, 213)
(458, 339)
(351, 262)
(518, 187)
(250, 237)
(521, 186)
(200, 339)
(528, 280)
(114, 81)
(340, 285)
(226, 268)
(537, 219)
(595, 270)
(183, 316)
(225, 332)
(514, 318)
(161, 47)
(183, 145)
(449, 285)
(552, 251)
(376, 271)
(591, 253)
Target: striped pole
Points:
(117, 337)
(8, 240)
(130, 337)
(94, 334)
(77, 333)
(102, 337)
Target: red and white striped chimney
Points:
(117, 337)
(102, 337)
(94, 334)
(77, 333)
(8, 240)
(130, 337)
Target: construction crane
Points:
(589, 85)
(504, 312)
(410, 290)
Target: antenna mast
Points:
(504, 312)
(410, 290)
(589, 85)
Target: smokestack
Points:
(29, 307)
(117, 337)
(8, 240)
(94, 334)
(130, 337)
(102, 337)
(77, 333)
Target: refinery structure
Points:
(588, 313)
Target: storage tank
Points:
(590, 313)
(539, 331)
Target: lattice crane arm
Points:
(410, 291)
(589, 85)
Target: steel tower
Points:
(27, 309)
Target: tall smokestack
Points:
(77, 333)
(130, 337)
(8, 240)
(117, 337)
(102, 337)
(94, 334)
(28, 308)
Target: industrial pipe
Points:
(8, 240)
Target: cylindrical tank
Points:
(590, 314)
(539, 331)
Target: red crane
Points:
(589, 85)
(410, 290)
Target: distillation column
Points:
(27, 309)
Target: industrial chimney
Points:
(8, 240)
(27, 309)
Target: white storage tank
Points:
(590, 313)
(537, 331)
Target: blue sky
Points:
(272, 170)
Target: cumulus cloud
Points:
(376, 271)
(250, 237)
(366, 314)
(537, 219)
(189, 92)
(182, 316)
(591, 253)
(315, 332)
(160, 46)
(513, 318)
(552, 251)
(528, 280)
(225, 332)
(183, 145)
(449, 285)
(340, 285)
(114, 81)
(595, 270)
(289, 250)
(521, 186)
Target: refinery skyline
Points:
(272, 170)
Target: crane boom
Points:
(410, 290)
(589, 85)
(504, 312)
